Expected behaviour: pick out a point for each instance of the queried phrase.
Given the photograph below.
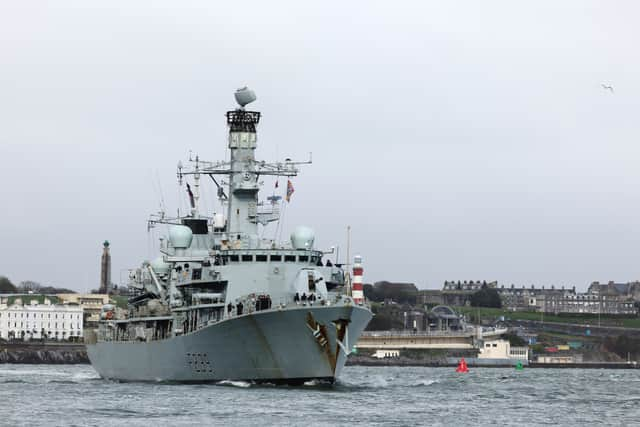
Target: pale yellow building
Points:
(91, 303)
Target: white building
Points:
(35, 317)
(501, 349)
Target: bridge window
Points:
(289, 258)
(247, 258)
(303, 258)
(261, 258)
(196, 274)
(276, 257)
(234, 258)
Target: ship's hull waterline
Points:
(277, 346)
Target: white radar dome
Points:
(159, 266)
(245, 96)
(180, 236)
(302, 237)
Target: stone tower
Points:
(105, 270)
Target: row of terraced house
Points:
(609, 299)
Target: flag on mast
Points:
(193, 203)
(290, 191)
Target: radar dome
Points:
(302, 237)
(159, 266)
(245, 96)
(180, 236)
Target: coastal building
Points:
(90, 303)
(429, 297)
(414, 320)
(630, 290)
(28, 317)
(386, 354)
(574, 358)
(588, 303)
(468, 285)
(453, 293)
(502, 350)
(608, 299)
(530, 299)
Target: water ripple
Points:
(384, 396)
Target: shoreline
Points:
(54, 353)
(50, 353)
(533, 365)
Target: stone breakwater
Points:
(43, 353)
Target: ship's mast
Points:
(244, 173)
(242, 211)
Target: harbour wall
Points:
(48, 353)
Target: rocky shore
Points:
(37, 353)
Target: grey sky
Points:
(461, 141)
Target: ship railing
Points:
(250, 303)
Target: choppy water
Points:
(74, 395)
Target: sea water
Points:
(394, 396)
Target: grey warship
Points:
(221, 302)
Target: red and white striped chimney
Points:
(357, 292)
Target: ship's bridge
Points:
(271, 255)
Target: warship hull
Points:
(290, 346)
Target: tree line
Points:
(26, 286)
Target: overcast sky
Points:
(460, 140)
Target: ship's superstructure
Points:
(221, 302)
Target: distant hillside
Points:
(6, 287)
(404, 293)
(35, 287)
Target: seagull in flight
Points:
(607, 87)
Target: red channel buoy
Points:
(462, 367)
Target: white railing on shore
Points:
(463, 333)
(469, 331)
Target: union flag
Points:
(290, 191)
